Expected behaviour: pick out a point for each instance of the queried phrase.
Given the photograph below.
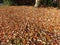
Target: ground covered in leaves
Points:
(26, 25)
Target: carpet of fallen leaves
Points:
(26, 25)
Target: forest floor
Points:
(27, 25)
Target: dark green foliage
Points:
(43, 2)
(49, 2)
(9, 2)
